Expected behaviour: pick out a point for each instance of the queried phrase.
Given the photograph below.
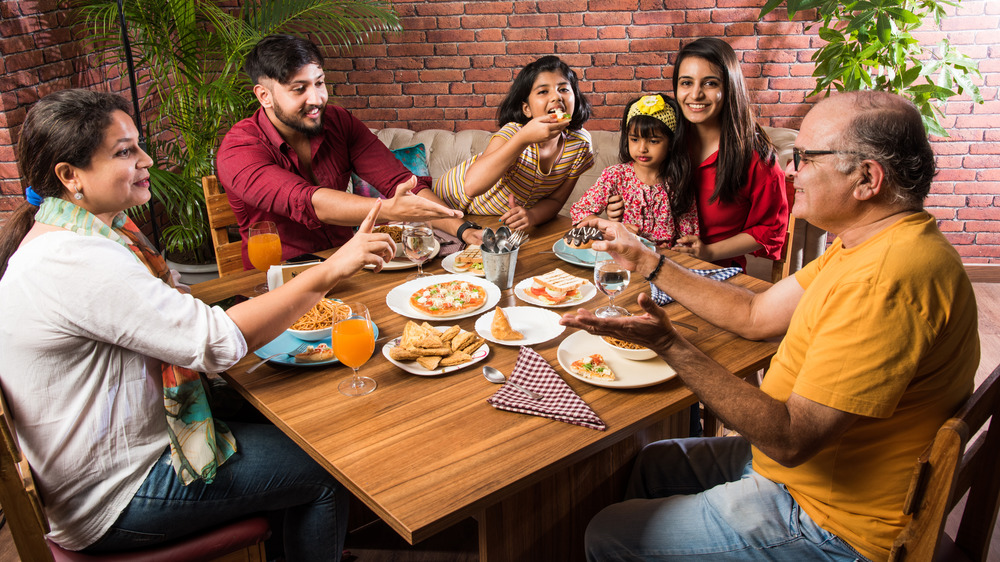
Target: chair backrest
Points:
(19, 496)
(942, 476)
(228, 254)
(241, 540)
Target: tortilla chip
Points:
(461, 340)
(472, 346)
(456, 358)
(429, 362)
(450, 333)
(403, 353)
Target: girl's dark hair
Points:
(676, 167)
(741, 136)
(65, 126)
(510, 107)
(278, 57)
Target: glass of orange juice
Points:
(264, 248)
(353, 343)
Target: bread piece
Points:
(429, 362)
(472, 346)
(443, 350)
(404, 353)
(450, 333)
(461, 340)
(501, 329)
(321, 352)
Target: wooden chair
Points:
(228, 255)
(239, 541)
(944, 473)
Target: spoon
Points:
(497, 377)
(489, 240)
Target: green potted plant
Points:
(870, 45)
(190, 52)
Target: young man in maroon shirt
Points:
(291, 161)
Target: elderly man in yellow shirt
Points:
(880, 347)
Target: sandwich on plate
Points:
(555, 287)
(471, 259)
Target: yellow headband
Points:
(654, 106)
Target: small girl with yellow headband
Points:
(654, 166)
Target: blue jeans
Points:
(699, 499)
(269, 474)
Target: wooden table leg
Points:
(546, 521)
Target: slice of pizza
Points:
(593, 367)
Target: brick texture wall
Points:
(454, 62)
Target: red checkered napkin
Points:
(558, 402)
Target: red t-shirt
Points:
(260, 173)
(760, 209)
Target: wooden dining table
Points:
(427, 452)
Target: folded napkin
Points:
(661, 298)
(558, 402)
(449, 244)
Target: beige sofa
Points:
(446, 149)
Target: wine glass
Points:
(263, 249)
(418, 245)
(611, 279)
(353, 344)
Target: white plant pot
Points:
(195, 273)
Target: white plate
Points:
(404, 262)
(415, 368)
(585, 258)
(398, 298)
(629, 374)
(448, 263)
(587, 292)
(537, 324)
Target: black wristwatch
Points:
(465, 226)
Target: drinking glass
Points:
(264, 248)
(611, 279)
(418, 245)
(353, 343)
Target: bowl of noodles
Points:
(315, 325)
(628, 350)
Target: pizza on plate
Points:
(449, 298)
(593, 367)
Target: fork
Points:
(516, 238)
(295, 351)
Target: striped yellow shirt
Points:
(524, 179)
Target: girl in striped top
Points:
(531, 164)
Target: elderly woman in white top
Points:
(97, 349)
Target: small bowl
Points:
(633, 354)
(311, 335)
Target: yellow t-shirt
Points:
(887, 330)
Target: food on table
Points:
(449, 298)
(593, 367)
(582, 237)
(396, 232)
(622, 343)
(433, 349)
(315, 354)
(322, 315)
(555, 287)
(471, 259)
(501, 329)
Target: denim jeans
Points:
(268, 474)
(699, 499)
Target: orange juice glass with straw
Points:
(353, 343)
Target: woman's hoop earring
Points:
(78, 196)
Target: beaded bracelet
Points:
(659, 264)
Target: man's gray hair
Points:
(889, 130)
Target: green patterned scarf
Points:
(198, 443)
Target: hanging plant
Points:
(870, 46)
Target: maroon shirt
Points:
(260, 172)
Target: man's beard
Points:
(300, 124)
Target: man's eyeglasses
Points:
(798, 155)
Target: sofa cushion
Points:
(413, 157)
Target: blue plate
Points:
(585, 258)
(287, 342)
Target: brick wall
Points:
(454, 62)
